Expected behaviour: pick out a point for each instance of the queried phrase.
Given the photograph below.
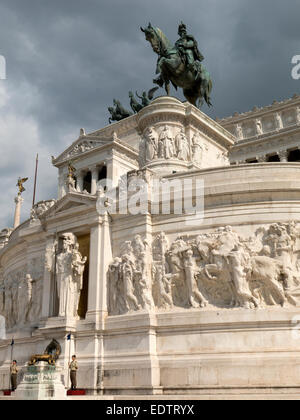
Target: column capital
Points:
(283, 155)
(93, 168)
(19, 199)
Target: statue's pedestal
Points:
(41, 382)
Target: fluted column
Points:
(18, 200)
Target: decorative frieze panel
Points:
(215, 270)
(171, 143)
(264, 121)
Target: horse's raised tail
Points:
(207, 94)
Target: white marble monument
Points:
(173, 303)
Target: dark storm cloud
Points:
(67, 60)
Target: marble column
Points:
(80, 179)
(100, 258)
(283, 155)
(18, 200)
(95, 173)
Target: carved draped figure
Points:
(166, 148)
(182, 146)
(69, 276)
(151, 139)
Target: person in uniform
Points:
(14, 375)
(73, 366)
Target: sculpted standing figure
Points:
(71, 181)
(259, 129)
(278, 119)
(239, 132)
(69, 271)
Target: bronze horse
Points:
(172, 68)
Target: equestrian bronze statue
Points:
(180, 64)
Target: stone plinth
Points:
(41, 382)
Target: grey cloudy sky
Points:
(67, 60)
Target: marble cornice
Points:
(261, 112)
(271, 144)
(171, 110)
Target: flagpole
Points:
(35, 179)
(69, 338)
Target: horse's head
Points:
(151, 36)
(157, 39)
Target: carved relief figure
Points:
(182, 146)
(151, 140)
(127, 272)
(114, 289)
(219, 269)
(166, 146)
(142, 253)
(24, 299)
(197, 148)
(239, 132)
(194, 295)
(238, 261)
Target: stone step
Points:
(220, 397)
